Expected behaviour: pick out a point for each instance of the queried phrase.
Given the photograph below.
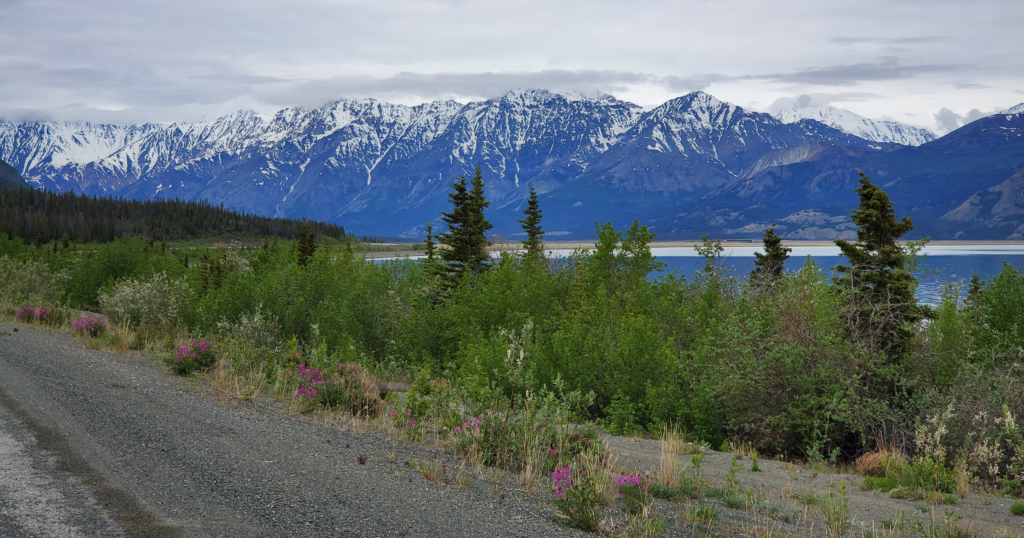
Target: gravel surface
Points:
(102, 444)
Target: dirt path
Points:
(102, 444)
(163, 458)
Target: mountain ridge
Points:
(379, 168)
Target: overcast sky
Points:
(924, 62)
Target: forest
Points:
(44, 217)
(809, 365)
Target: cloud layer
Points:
(144, 60)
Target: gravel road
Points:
(101, 444)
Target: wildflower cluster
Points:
(576, 497)
(471, 427)
(347, 388)
(633, 490)
(89, 325)
(193, 356)
(28, 314)
(310, 380)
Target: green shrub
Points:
(883, 484)
(30, 282)
(576, 497)
(160, 302)
(706, 515)
(1017, 508)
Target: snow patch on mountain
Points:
(1017, 109)
(875, 130)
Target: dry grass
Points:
(881, 462)
(672, 444)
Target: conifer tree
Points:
(534, 242)
(307, 241)
(466, 241)
(769, 265)
(882, 288)
(428, 243)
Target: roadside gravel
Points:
(93, 429)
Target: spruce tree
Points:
(307, 242)
(466, 241)
(534, 242)
(881, 287)
(768, 266)
(428, 243)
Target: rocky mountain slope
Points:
(693, 164)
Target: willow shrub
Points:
(779, 372)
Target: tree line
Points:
(44, 217)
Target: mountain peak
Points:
(889, 132)
(1014, 109)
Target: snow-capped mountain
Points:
(889, 132)
(378, 168)
(1017, 109)
(385, 168)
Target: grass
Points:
(706, 515)
(879, 483)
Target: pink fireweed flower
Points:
(411, 421)
(394, 413)
(458, 430)
(553, 451)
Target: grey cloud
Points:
(886, 40)
(849, 75)
(948, 120)
(970, 86)
(485, 85)
(820, 99)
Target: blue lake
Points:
(944, 263)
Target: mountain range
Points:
(693, 165)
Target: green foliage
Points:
(48, 216)
(307, 242)
(878, 280)
(768, 266)
(465, 243)
(880, 483)
(159, 303)
(1017, 508)
(706, 515)
(836, 509)
(534, 242)
(11, 246)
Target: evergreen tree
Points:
(428, 243)
(768, 266)
(881, 287)
(466, 241)
(534, 242)
(307, 242)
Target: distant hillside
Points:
(10, 178)
(46, 216)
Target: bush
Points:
(192, 357)
(634, 492)
(29, 281)
(27, 314)
(1017, 508)
(349, 389)
(90, 325)
(160, 302)
(576, 497)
